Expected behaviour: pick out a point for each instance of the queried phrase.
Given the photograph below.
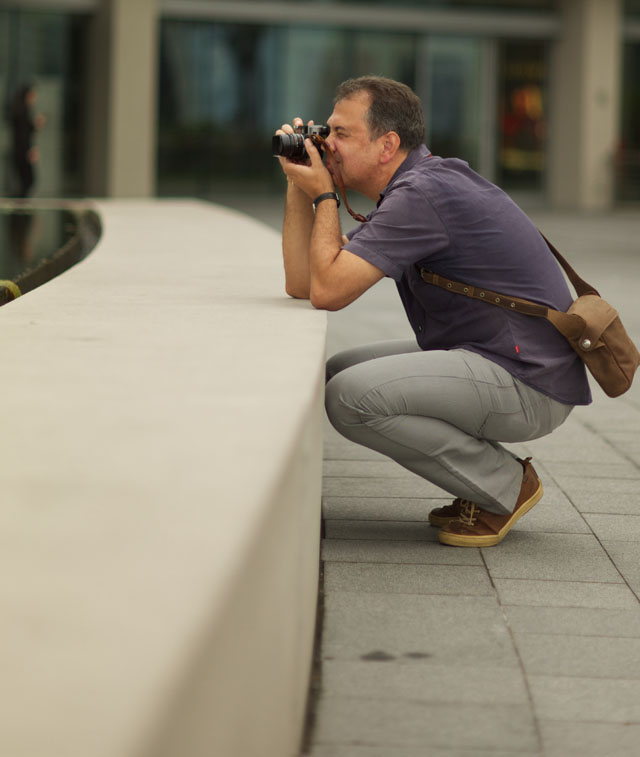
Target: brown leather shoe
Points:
(480, 528)
(440, 516)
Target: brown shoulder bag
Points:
(591, 326)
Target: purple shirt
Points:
(439, 214)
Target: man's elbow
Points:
(296, 290)
(323, 299)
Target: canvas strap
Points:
(568, 324)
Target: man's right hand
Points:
(289, 129)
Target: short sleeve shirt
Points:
(440, 215)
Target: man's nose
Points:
(329, 143)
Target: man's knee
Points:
(338, 363)
(341, 404)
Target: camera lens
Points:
(288, 146)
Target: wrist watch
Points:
(326, 196)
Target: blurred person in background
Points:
(24, 125)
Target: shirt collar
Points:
(407, 164)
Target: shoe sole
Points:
(489, 540)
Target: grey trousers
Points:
(441, 414)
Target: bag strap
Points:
(570, 325)
(579, 284)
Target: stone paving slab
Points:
(378, 551)
(353, 750)
(570, 443)
(575, 557)
(587, 471)
(549, 517)
(533, 593)
(380, 508)
(581, 739)
(341, 449)
(625, 555)
(577, 621)
(615, 527)
(600, 502)
(357, 486)
(384, 530)
(409, 679)
(359, 625)
(586, 699)
(407, 579)
(609, 486)
(365, 469)
(407, 724)
(579, 656)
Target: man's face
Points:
(353, 153)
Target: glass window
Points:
(45, 49)
(632, 7)
(225, 88)
(215, 86)
(453, 68)
(628, 159)
(522, 115)
(508, 5)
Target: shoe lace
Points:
(467, 512)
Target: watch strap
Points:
(326, 196)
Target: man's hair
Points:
(393, 107)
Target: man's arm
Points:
(316, 265)
(338, 277)
(296, 240)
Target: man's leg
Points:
(361, 354)
(442, 414)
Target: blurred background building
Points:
(180, 97)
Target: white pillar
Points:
(584, 108)
(121, 150)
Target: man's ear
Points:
(390, 146)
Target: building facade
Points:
(181, 97)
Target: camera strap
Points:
(356, 216)
(318, 140)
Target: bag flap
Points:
(597, 316)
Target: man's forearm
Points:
(326, 243)
(296, 241)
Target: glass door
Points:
(522, 115)
(451, 86)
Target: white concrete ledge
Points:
(160, 476)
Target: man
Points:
(477, 375)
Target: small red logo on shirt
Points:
(518, 349)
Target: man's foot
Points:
(441, 516)
(476, 527)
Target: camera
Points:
(292, 145)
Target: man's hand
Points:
(296, 232)
(313, 178)
(289, 129)
(310, 177)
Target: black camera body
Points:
(292, 145)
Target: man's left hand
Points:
(313, 178)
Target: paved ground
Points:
(531, 647)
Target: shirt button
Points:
(420, 329)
